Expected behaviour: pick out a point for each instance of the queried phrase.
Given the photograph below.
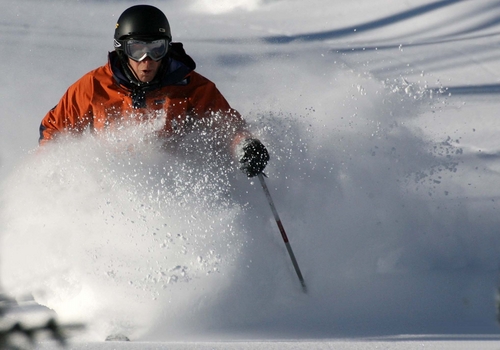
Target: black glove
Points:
(253, 157)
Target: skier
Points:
(148, 75)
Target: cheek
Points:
(156, 65)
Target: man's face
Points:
(146, 69)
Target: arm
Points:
(249, 152)
(72, 114)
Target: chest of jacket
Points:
(168, 110)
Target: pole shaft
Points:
(282, 231)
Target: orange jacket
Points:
(103, 98)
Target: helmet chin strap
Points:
(128, 71)
(135, 79)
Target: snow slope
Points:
(381, 121)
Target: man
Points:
(149, 76)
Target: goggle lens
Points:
(138, 50)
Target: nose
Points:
(147, 59)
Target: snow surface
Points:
(381, 120)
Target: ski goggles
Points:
(138, 50)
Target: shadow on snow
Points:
(357, 29)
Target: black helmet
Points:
(143, 22)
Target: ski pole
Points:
(282, 231)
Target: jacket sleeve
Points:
(208, 102)
(72, 114)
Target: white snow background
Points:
(381, 118)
